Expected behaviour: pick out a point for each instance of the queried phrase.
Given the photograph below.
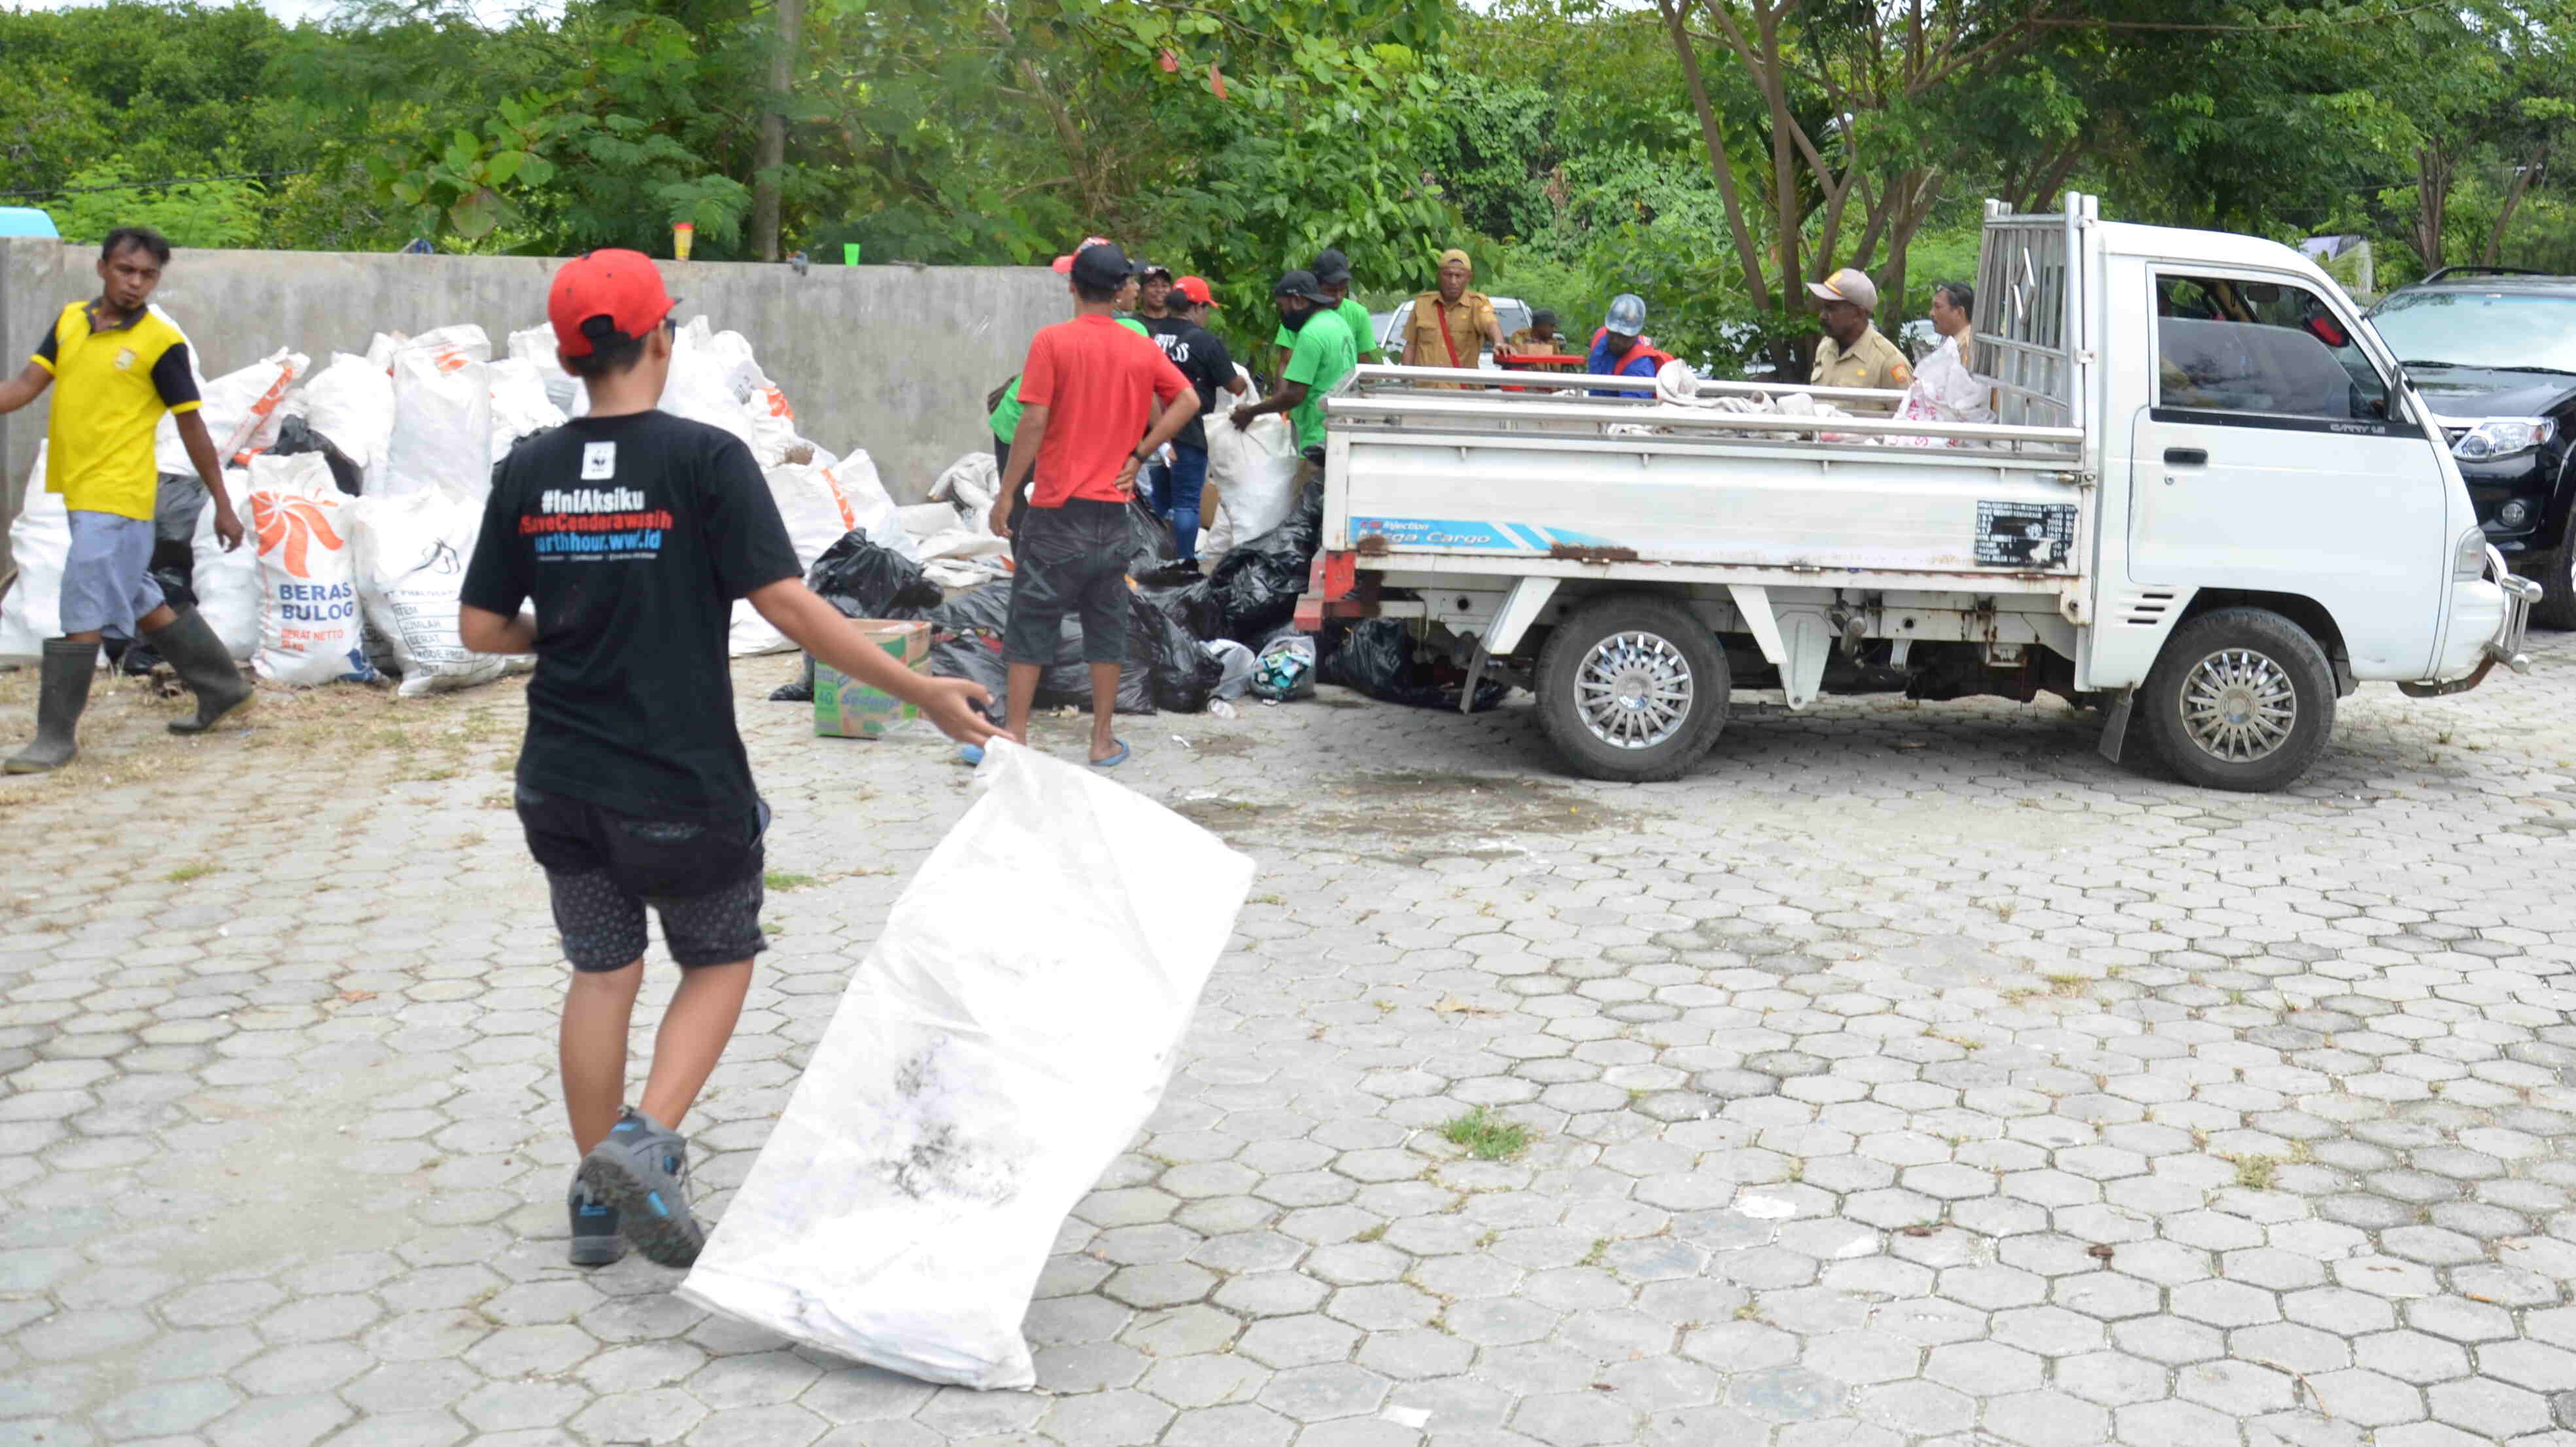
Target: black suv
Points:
(2493, 351)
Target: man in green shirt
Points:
(1324, 354)
(1333, 274)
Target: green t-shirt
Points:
(1324, 355)
(1005, 420)
(1354, 316)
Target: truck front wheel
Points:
(1632, 689)
(2240, 699)
(2555, 571)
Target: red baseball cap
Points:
(1196, 289)
(623, 286)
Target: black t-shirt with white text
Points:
(1200, 357)
(633, 535)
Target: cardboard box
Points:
(849, 710)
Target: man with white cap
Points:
(1853, 354)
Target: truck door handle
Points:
(2186, 456)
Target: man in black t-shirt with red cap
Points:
(633, 532)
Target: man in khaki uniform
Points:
(1853, 354)
(1450, 326)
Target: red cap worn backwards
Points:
(622, 286)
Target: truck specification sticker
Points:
(2025, 534)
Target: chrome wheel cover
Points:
(1634, 690)
(2238, 705)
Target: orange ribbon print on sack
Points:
(296, 523)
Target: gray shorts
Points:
(174, 512)
(107, 578)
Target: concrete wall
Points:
(892, 359)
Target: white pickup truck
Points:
(2212, 505)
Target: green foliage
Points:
(102, 197)
(1556, 139)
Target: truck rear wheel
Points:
(2241, 699)
(1632, 689)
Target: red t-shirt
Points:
(1095, 379)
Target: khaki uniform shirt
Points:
(1873, 361)
(1522, 341)
(1466, 323)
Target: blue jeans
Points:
(1175, 495)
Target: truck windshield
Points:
(2502, 331)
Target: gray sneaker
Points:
(595, 1241)
(642, 1173)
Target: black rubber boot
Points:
(192, 650)
(63, 693)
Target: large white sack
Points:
(381, 348)
(442, 433)
(536, 346)
(227, 584)
(168, 455)
(971, 482)
(464, 339)
(241, 408)
(309, 630)
(520, 405)
(351, 402)
(871, 507)
(750, 634)
(700, 386)
(984, 1068)
(811, 503)
(40, 540)
(411, 553)
(1255, 472)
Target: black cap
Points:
(1331, 267)
(1102, 266)
(1302, 284)
(1149, 270)
(1543, 317)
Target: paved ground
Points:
(1906, 1074)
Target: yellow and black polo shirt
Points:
(111, 386)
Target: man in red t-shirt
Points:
(1087, 420)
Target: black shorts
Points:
(602, 868)
(1071, 558)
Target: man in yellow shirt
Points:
(1853, 354)
(1451, 325)
(122, 364)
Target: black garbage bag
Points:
(295, 437)
(1154, 546)
(1180, 675)
(1191, 605)
(864, 580)
(967, 643)
(1377, 657)
(1257, 585)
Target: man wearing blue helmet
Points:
(1620, 348)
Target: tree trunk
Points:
(2523, 176)
(2432, 204)
(1748, 257)
(772, 158)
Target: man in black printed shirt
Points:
(1202, 358)
(633, 532)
